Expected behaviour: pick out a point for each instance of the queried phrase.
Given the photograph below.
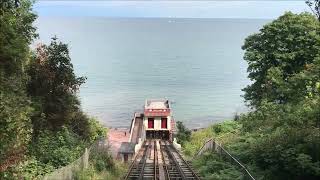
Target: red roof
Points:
(157, 112)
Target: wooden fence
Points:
(212, 145)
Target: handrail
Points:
(131, 126)
(204, 144)
(241, 165)
(132, 164)
(226, 152)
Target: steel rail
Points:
(185, 162)
(133, 162)
(144, 160)
(155, 159)
(175, 161)
(165, 166)
(175, 158)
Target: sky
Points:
(259, 9)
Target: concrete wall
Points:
(130, 157)
(137, 147)
(157, 123)
(132, 126)
(176, 144)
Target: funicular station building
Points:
(151, 150)
(155, 122)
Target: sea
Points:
(195, 63)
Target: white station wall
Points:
(157, 123)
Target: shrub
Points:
(57, 148)
(211, 166)
(101, 159)
(183, 134)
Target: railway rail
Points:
(159, 160)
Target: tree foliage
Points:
(211, 166)
(315, 7)
(61, 129)
(16, 32)
(280, 137)
(53, 84)
(284, 65)
(57, 149)
(287, 139)
(183, 134)
(15, 121)
(42, 126)
(281, 51)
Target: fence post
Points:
(85, 160)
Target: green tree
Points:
(53, 85)
(283, 48)
(280, 138)
(284, 64)
(183, 134)
(315, 7)
(41, 124)
(16, 33)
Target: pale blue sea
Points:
(196, 63)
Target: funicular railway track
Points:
(160, 160)
(141, 167)
(176, 167)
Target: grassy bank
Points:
(96, 173)
(210, 165)
(225, 132)
(281, 153)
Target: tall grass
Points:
(224, 132)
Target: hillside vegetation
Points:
(42, 126)
(280, 137)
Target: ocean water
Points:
(196, 63)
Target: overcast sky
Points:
(175, 9)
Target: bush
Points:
(88, 128)
(15, 121)
(223, 132)
(57, 148)
(33, 169)
(289, 154)
(183, 134)
(102, 166)
(101, 159)
(95, 130)
(85, 174)
(211, 166)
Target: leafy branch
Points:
(315, 7)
